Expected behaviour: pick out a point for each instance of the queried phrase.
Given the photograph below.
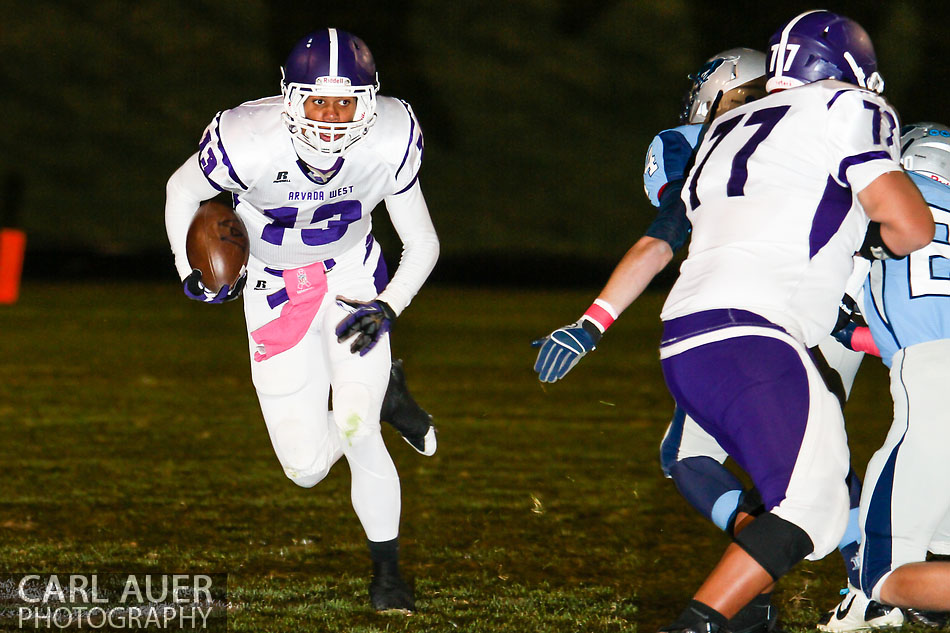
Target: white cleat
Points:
(857, 612)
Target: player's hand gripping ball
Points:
(367, 321)
(218, 249)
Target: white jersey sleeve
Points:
(407, 172)
(185, 191)
(420, 246)
(863, 138)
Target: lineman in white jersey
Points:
(689, 455)
(905, 505)
(305, 170)
(773, 202)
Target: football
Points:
(217, 245)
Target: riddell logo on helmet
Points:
(332, 81)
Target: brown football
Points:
(217, 245)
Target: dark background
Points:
(537, 113)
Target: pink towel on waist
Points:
(306, 287)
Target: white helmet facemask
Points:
(328, 138)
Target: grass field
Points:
(132, 442)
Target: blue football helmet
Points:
(820, 45)
(329, 63)
(925, 149)
(728, 71)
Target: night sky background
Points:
(537, 113)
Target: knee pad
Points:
(305, 463)
(355, 411)
(775, 544)
(305, 480)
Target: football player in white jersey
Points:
(689, 455)
(779, 199)
(907, 307)
(305, 171)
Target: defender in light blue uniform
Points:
(905, 507)
(907, 301)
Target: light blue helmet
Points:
(925, 149)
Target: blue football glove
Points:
(845, 334)
(368, 321)
(196, 290)
(562, 348)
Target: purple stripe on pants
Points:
(751, 394)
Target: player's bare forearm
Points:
(636, 270)
(894, 201)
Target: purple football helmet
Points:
(329, 63)
(820, 45)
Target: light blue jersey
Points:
(667, 157)
(907, 301)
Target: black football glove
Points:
(874, 246)
(368, 320)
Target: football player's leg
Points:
(839, 365)
(694, 461)
(770, 411)
(399, 409)
(359, 383)
(906, 500)
(848, 547)
(405, 415)
(292, 388)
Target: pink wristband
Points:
(862, 341)
(602, 314)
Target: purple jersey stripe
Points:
(837, 94)
(409, 186)
(207, 167)
(851, 161)
(277, 298)
(709, 321)
(832, 209)
(227, 161)
(412, 130)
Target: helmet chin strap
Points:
(313, 157)
(857, 70)
(874, 82)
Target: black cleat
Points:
(405, 415)
(388, 592)
(755, 619)
(707, 627)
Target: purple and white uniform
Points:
(305, 210)
(772, 202)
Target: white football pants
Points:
(293, 389)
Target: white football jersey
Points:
(772, 201)
(297, 214)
